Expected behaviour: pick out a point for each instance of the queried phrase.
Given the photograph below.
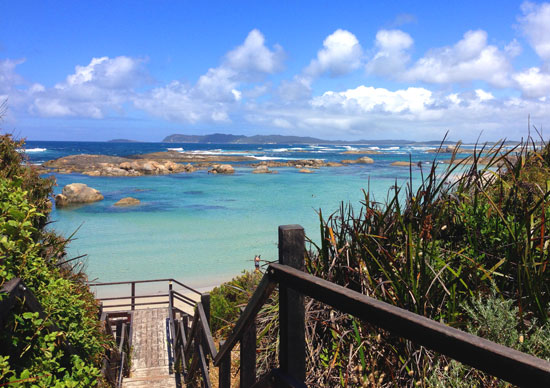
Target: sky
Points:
(142, 70)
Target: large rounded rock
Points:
(76, 193)
(222, 169)
(365, 160)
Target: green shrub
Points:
(497, 320)
(227, 299)
(65, 347)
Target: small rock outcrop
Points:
(104, 165)
(361, 160)
(128, 201)
(263, 169)
(222, 169)
(305, 171)
(402, 164)
(76, 193)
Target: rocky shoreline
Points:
(172, 162)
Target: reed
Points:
(476, 227)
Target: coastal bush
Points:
(64, 347)
(429, 251)
(497, 320)
(227, 299)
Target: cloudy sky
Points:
(97, 70)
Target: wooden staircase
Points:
(150, 365)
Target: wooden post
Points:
(171, 300)
(205, 300)
(292, 354)
(133, 295)
(225, 370)
(248, 357)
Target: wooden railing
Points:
(170, 295)
(194, 346)
(505, 363)
(116, 365)
(116, 361)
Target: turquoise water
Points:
(201, 228)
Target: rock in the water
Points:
(222, 169)
(362, 160)
(402, 164)
(128, 201)
(75, 193)
(365, 159)
(305, 171)
(263, 169)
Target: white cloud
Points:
(295, 90)
(535, 23)
(341, 54)
(253, 56)
(469, 59)
(368, 99)
(533, 82)
(110, 73)
(217, 92)
(8, 77)
(94, 90)
(392, 55)
(180, 102)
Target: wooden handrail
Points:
(145, 281)
(505, 363)
(206, 331)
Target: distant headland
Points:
(221, 138)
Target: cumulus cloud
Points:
(218, 90)
(392, 55)
(254, 57)
(533, 82)
(535, 23)
(341, 54)
(469, 59)
(368, 112)
(368, 98)
(103, 85)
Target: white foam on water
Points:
(32, 150)
(179, 149)
(274, 158)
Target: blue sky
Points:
(98, 70)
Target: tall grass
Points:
(430, 250)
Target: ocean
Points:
(201, 228)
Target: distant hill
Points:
(220, 138)
(122, 141)
(216, 138)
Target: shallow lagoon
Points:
(202, 228)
